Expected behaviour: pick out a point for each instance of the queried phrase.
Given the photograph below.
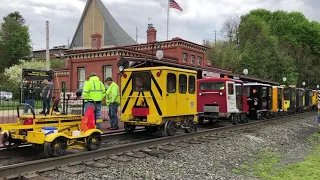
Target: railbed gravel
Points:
(214, 160)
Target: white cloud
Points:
(198, 20)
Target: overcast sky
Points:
(199, 19)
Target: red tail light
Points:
(125, 75)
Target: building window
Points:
(182, 84)
(185, 57)
(107, 72)
(81, 77)
(199, 60)
(171, 83)
(193, 57)
(192, 84)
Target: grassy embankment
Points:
(264, 165)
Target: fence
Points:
(9, 104)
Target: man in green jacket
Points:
(113, 102)
(94, 92)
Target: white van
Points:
(5, 95)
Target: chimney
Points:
(151, 34)
(96, 41)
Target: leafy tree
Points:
(14, 73)
(14, 40)
(273, 45)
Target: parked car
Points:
(5, 95)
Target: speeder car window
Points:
(141, 81)
(212, 86)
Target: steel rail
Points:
(22, 169)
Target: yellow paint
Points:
(314, 97)
(286, 105)
(274, 99)
(172, 105)
(35, 137)
(64, 123)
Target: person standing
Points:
(46, 96)
(93, 93)
(28, 94)
(113, 102)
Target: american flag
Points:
(175, 5)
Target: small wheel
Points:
(200, 120)
(56, 148)
(94, 141)
(11, 144)
(189, 124)
(170, 128)
(234, 119)
(129, 128)
(259, 116)
(267, 115)
(37, 146)
(152, 129)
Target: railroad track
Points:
(149, 147)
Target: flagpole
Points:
(168, 20)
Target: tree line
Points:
(272, 44)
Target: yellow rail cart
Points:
(53, 133)
(158, 97)
(277, 101)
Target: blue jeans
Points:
(97, 108)
(113, 114)
(30, 102)
(46, 105)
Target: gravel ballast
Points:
(213, 160)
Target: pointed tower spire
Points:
(96, 21)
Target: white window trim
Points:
(185, 60)
(192, 55)
(104, 71)
(81, 81)
(199, 62)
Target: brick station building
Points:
(99, 43)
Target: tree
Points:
(14, 73)
(14, 40)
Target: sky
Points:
(199, 19)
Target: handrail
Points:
(25, 104)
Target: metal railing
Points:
(63, 101)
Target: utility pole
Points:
(47, 46)
(215, 36)
(137, 34)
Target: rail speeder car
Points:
(259, 99)
(160, 96)
(221, 98)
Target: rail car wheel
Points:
(129, 128)
(56, 148)
(235, 118)
(11, 144)
(170, 128)
(93, 142)
(267, 115)
(259, 116)
(189, 124)
(200, 120)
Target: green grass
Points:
(263, 165)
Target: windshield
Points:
(211, 86)
(141, 81)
